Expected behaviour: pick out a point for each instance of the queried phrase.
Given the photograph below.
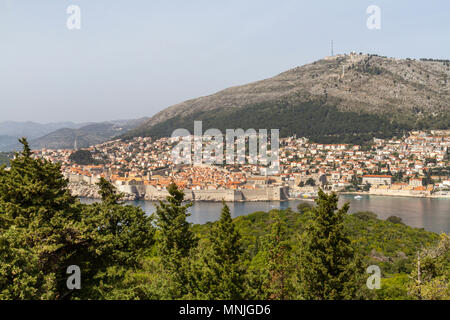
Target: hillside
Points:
(84, 136)
(344, 98)
(10, 131)
(391, 246)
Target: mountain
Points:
(10, 131)
(347, 98)
(33, 129)
(65, 137)
(85, 136)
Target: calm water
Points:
(431, 214)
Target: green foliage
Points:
(394, 287)
(431, 275)
(108, 192)
(395, 246)
(365, 215)
(304, 207)
(328, 265)
(279, 267)
(315, 253)
(40, 226)
(44, 230)
(82, 157)
(123, 237)
(220, 274)
(5, 158)
(175, 241)
(310, 182)
(395, 219)
(314, 119)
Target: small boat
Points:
(358, 197)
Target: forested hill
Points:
(388, 244)
(344, 98)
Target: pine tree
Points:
(176, 239)
(329, 269)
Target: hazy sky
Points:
(132, 58)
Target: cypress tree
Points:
(176, 239)
(222, 273)
(122, 236)
(44, 230)
(278, 284)
(41, 230)
(328, 267)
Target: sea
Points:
(432, 214)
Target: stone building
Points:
(377, 179)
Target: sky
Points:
(133, 58)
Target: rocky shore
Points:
(84, 190)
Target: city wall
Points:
(402, 193)
(263, 194)
(80, 183)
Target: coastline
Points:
(134, 198)
(387, 194)
(87, 193)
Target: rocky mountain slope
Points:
(333, 99)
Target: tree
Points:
(82, 157)
(428, 180)
(176, 239)
(367, 187)
(5, 158)
(328, 265)
(222, 273)
(355, 182)
(123, 236)
(108, 192)
(44, 230)
(431, 276)
(304, 207)
(279, 265)
(310, 182)
(41, 229)
(365, 215)
(395, 219)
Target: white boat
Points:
(358, 197)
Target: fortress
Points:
(84, 186)
(266, 193)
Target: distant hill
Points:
(85, 136)
(10, 131)
(345, 98)
(33, 129)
